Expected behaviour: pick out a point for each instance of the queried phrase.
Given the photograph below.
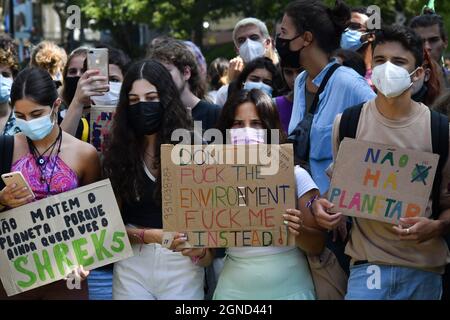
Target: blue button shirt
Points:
(346, 88)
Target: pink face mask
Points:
(247, 135)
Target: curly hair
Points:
(7, 58)
(176, 53)
(47, 55)
(125, 151)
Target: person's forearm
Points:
(207, 259)
(144, 236)
(311, 240)
(72, 118)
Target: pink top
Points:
(368, 78)
(64, 178)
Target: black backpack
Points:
(6, 155)
(439, 137)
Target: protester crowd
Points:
(326, 75)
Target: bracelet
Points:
(310, 202)
(196, 259)
(140, 236)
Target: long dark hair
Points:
(125, 151)
(35, 84)
(265, 107)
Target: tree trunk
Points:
(198, 34)
(62, 22)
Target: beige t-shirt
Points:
(376, 241)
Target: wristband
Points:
(311, 201)
(140, 236)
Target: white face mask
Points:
(251, 50)
(110, 98)
(247, 135)
(391, 80)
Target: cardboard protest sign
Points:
(101, 123)
(221, 204)
(43, 241)
(381, 182)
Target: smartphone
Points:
(17, 178)
(98, 59)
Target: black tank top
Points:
(144, 212)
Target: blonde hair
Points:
(49, 56)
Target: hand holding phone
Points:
(98, 59)
(17, 191)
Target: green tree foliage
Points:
(184, 18)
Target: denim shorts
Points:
(382, 282)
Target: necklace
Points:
(42, 163)
(39, 157)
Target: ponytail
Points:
(340, 15)
(326, 24)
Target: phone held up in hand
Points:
(97, 58)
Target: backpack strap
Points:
(6, 155)
(349, 122)
(85, 131)
(440, 141)
(323, 84)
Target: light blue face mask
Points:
(5, 88)
(36, 129)
(351, 40)
(249, 85)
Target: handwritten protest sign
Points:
(101, 123)
(381, 182)
(43, 241)
(219, 204)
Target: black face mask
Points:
(57, 83)
(70, 87)
(420, 95)
(145, 117)
(289, 59)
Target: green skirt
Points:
(281, 276)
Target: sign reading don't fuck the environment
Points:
(223, 203)
(43, 241)
(381, 182)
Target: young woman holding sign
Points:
(267, 273)
(149, 110)
(51, 160)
